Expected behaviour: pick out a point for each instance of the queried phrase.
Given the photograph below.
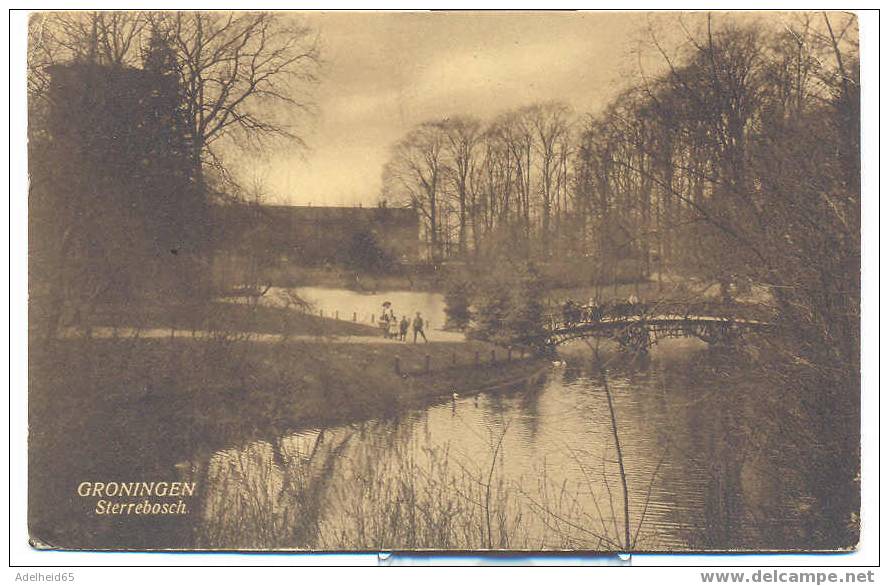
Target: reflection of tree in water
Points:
(398, 492)
(723, 493)
(750, 488)
(530, 407)
(268, 495)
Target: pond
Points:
(533, 468)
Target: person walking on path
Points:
(418, 328)
(403, 327)
(393, 326)
(384, 322)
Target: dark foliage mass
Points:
(365, 253)
(457, 298)
(115, 212)
(502, 303)
(130, 116)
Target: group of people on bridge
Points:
(395, 329)
(575, 313)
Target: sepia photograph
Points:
(444, 281)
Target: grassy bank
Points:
(215, 383)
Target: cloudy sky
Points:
(384, 73)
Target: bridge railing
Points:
(578, 314)
(583, 314)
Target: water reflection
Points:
(530, 469)
(267, 495)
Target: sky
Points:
(384, 73)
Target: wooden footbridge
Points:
(637, 326)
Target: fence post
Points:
(493, 356)
(354, 316)
(397, 365)
(427, 363)
(509, 354)
(453, 358)
(337, 314)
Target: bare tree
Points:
(462, 134)
(104, 38)
(415, 176)
(243, 76)
(42, 55)
(550, 123)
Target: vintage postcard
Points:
(450, 281)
